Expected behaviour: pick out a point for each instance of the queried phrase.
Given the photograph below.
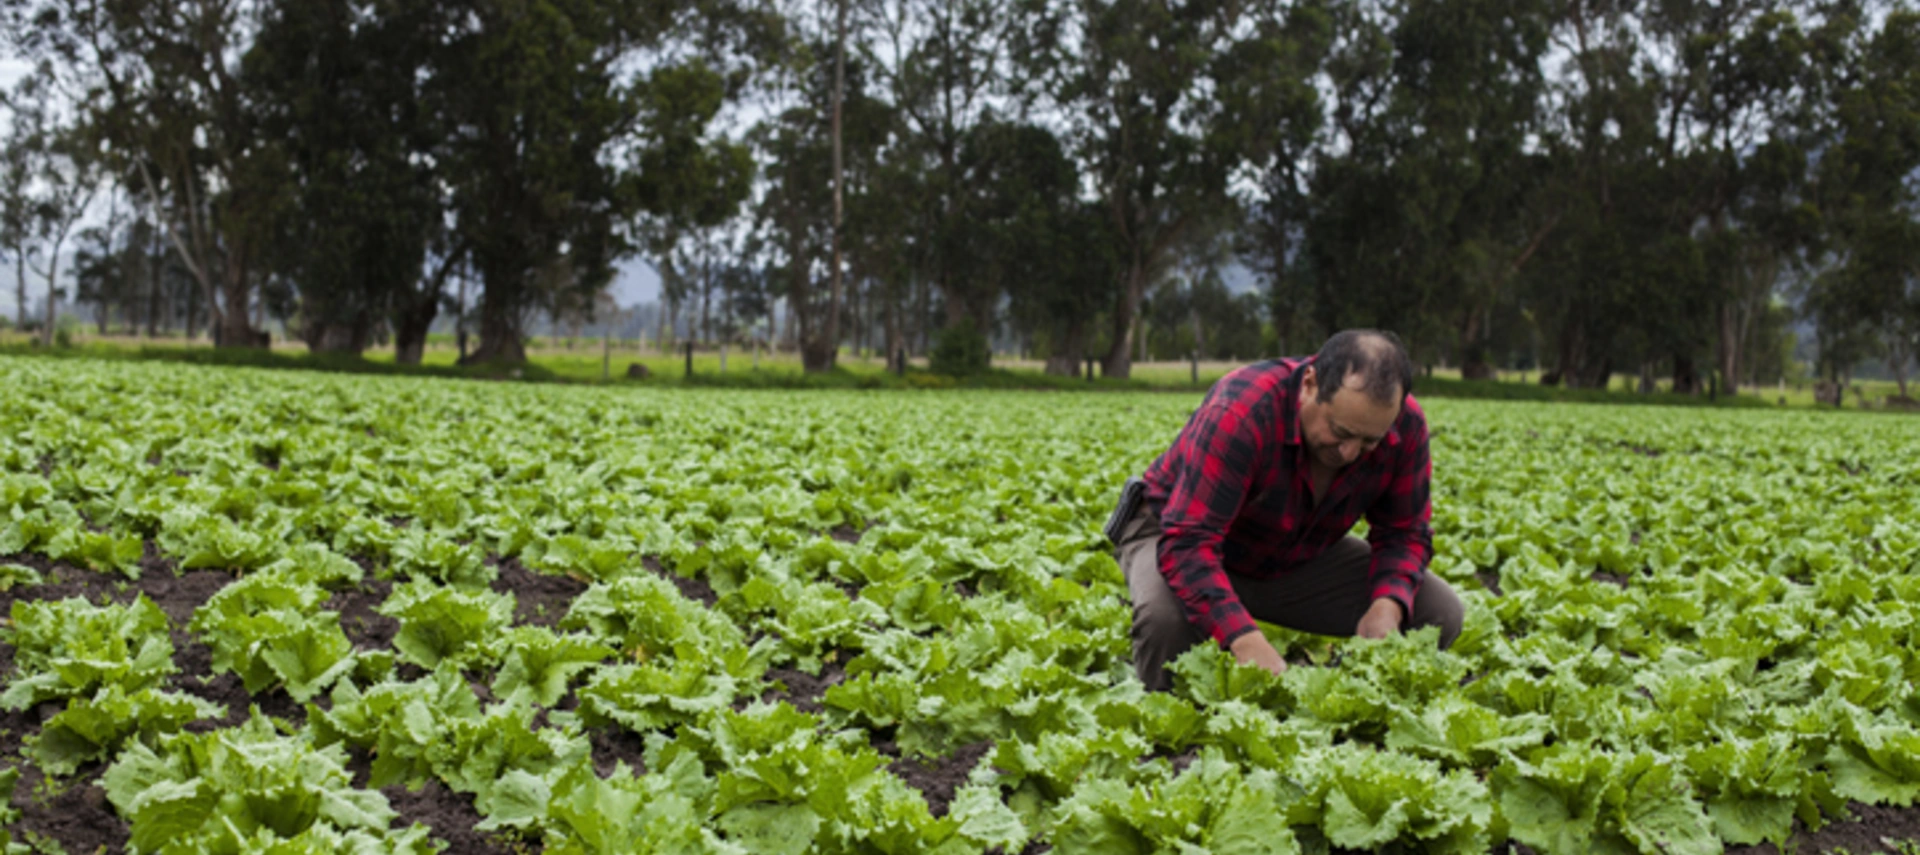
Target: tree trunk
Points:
(816, 355)
(1119, 361)
(1900, 351)
(155, 271)
(1686, 378)
(236, 329)
(895, 340)
(1069, 352)
(1473, 349)
(499, 328)
(664, 337)
(1572, 348)
(706, 301)
(53, 276)
(820, 354)
(20, 289)
(350, 337)
(410, 328)
(197, 305)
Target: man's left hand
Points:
(1381, 620)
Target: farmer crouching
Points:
(1248, 514)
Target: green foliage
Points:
(70, 648)
(537, 665)
(269, 629)
(1214, 806)
(246, 789)
(1687, 651)
(645, 617)
(446, 624)
(19, 575)
(94, 728)
(960, 350)
(10, 815)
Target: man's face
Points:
(1339, 431)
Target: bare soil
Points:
(539, 599)
(366, 628)
(938, 778)
(1860, 835)
(696, 590)
(75, 814)
(452, 818)
(615, 745)
(803, 690)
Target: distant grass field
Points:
(583, 360)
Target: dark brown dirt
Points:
(366, 628)
(940, 778)
(847, 533)
(78, 816)
(696, 590)
(1610, 578)
(178, 597)
(1180, 761)
(451, 816)
(228, 691)
(15, 727)
(539, 599)
(613, 745)
(1860, 835)
(803, 690)
(1490, 580)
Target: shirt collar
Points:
(1290, 403)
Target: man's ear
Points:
(1309, 384)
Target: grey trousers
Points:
(1326, 596)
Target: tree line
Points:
(1582, 187)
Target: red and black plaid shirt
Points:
(1234, 494)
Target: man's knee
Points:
(1438, 605)
(1160, 634)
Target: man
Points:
(1247, 515)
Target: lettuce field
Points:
(277, 612)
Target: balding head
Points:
(1371, 362)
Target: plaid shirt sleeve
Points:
(1213, 473)
(1397, 522)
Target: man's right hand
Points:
(1254, 648)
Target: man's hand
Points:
(1381, 620)
(1256, 649)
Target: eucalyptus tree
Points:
(17, 207)
(1864, 298)
(338, 84)
(1419, 200)
(163, 85)
(945, 67)
(794, 215)
(1164, 104)
(552, 152)
(58, 155)
(1030, 236)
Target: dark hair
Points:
(1377, 357)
